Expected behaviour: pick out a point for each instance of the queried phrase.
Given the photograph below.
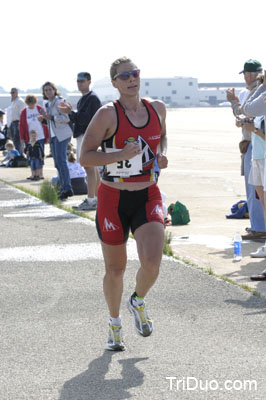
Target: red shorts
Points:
(121, 210)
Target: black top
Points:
(86, 108)
(35, 151)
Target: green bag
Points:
(179, 213)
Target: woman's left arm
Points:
(162, 148)
(58, 117)
(55, 115)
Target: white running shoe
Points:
(86, 205)
(260, 253)
(143, 324)
(115, 340)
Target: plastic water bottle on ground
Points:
(237, 247)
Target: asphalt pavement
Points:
(207, 343)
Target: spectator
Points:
(60, 134)
(3, 131)
(251, 70)
(17, 105)
(256, 106)
(77, 175)
(86, 108)
(29, 122)
(34, 151)
(257, 129)
(11, 154)
(2, 113)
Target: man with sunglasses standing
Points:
(132, 134)
(87, 106)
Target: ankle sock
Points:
(115, 321)
(136, 300)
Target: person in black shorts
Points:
(132, 134)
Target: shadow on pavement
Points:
(246, 249)
(92, 385)
(251, 303)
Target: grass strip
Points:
(210, 271)
(51, 198)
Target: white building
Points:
(214, 96)
(175, 92)
(105, 90)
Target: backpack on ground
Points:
(18, 161)
(179, 213)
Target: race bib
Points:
(124, 168)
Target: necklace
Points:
(128, 110)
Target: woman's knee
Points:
(115, 271)
(151, 255)
(151, 263)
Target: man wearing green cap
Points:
(256, 215)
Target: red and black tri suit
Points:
(121, 210)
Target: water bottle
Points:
(237, 247)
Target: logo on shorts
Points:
(157, 210)
(108, 226)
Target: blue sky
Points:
(54, 39)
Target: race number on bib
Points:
(125, 168)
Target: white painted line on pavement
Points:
(63, 252)
(39, 212)
(211, 241)
(60, 252)
(20, 202)
(9, 189)
(39, 209)
(80, 220)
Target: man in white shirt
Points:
(17, 105)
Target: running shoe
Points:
(115, 339)
(143, 324)
(260, 253)
(86, 205)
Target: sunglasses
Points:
(126, 75)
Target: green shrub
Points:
(48, 193)
(167, 248)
